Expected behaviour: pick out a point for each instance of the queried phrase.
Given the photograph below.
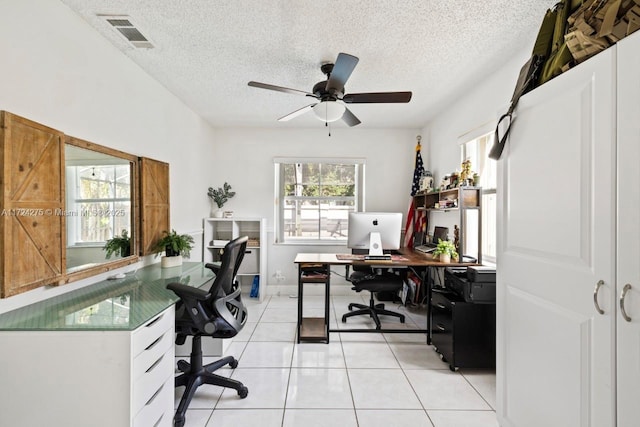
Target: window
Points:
(477, 151)
(314, 198)
(99, 201)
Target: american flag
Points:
(414, 222)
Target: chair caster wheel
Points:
(178, 422)
(452, 368)
(243, 392)
(402, 320)
(233, 364)
(344, 319)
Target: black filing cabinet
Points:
(464, 332)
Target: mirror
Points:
(99, 200)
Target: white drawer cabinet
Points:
(89, 378)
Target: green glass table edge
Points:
(132, 301)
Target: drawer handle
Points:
(440, 327)
(595, 296)
(154, 321)
(152, 398)
(626, 289)
(440, 305)
(150, 346)
(157, 362)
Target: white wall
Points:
(58, 71)
(482, 106)
(244, 158)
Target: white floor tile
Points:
(382, 389)
(246, 332)
(463, 418)
(317, 355)
(319, 388)
(369, 355)
(484, 381)
(285, 302)
(267, 389)
(417, 356)
(319, 418)
(245, 417)
(406, 338)
(393, 417)
(196, 417)
(267, 355)
(443, 389)
(274, 331)
(280, 315)
(373, 337)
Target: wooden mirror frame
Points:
(135, 206)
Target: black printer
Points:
(475, 284)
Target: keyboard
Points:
(384, 257)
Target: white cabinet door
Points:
(628, 251)
(555, 353)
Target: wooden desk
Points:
(316, 268)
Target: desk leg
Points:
(428, 293)
(300, 286)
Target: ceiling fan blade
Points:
(377, 97)
(349, 118)
(280, 88)
(342, 69)
(296, 113)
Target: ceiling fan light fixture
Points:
(329, 111)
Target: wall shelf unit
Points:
(219, 231)
(460, 200)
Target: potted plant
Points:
(119, 245)
(220, 196)
(446, 250)
(175, 247)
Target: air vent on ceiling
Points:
(123, 26)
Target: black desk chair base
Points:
(373, 310)
(195, 374)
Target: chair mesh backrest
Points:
(232, 256)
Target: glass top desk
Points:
(120, 304)
(106, 345)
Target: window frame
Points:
(279, 202)
(488, 191)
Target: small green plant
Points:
(119, 245)
(445, 247)
(221, 195)
(174, 244)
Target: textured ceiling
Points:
(207, 50)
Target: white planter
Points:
(218, 213)
(170, 261)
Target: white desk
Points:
(99, 356)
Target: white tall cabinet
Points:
(568, 242)
(628, 232)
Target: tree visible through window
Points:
(100, 202)
(315, 198)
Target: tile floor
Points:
(359, 379)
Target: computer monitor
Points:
(375, 231)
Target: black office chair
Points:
(366, 279)
(217, 313)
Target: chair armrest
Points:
(195, 302)
(213, 266)
(188, 292)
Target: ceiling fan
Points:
(330, 94)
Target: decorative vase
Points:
(218, 213)
(445, 258)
